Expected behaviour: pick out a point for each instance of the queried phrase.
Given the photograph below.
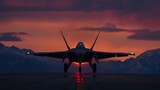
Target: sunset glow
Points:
(125, 28)
(77, 64)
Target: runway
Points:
(74, 81)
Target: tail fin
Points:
(65, 40)
(95, 40)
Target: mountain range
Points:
(15, 60)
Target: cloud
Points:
(145, 35)
(108, 27)
(144, 12)
(138, 34)
(11, 36)
(80, 5)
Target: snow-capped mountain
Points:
(116, 66)
(13, 49)
(13, 59)
(148, 62)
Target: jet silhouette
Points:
(81, 54)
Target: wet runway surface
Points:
(57, 81)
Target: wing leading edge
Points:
(60, 55)
(102, 55)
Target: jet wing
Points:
(102, 55)
(60, 55)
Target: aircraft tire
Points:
(94, 68)
(80, 69)
(65, 68)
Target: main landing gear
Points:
(94, 68)
(65, 68)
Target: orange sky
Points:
(43, 27)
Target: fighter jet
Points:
(80, 54)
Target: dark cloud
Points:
(138, 34)
(11, 36)
(141, 9)
(108, 27)
(146, 35)
(80, 5)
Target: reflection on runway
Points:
(79, 78)
(80, 81)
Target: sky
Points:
(125, 25)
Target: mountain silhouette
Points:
(15, 60)
(147, 62)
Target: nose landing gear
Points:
(80, 68)
(93, 66)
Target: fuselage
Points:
(80, 54)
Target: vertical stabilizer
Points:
(65, 40)
(95, 41)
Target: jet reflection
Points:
(80, 81)
(79, 78)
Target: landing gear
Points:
(65, 68)
(94, 69)
(80, 70)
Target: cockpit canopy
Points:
(80, 45)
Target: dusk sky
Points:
(126, 25)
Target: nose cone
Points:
(80, 45)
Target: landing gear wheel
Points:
(65, 68)
(94, 68)
(80, 70)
